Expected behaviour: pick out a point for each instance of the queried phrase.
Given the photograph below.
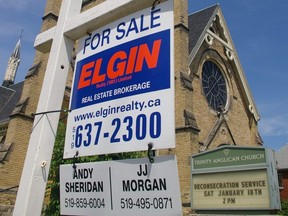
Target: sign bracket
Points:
(52, 111)
(75, 159)
(155, 3)
(151, 153)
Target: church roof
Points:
(197, 23)
(281, 157)
(210, 21)
(9, 97)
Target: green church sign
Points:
(234, 179)
(229, 156)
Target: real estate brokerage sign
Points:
(123, 87)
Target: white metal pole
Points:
(37, 163)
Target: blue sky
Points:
(259, 31)
(16, 15)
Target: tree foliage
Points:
(52, 208)
(284, 208)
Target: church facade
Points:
(213, 103)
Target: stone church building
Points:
(213, 102)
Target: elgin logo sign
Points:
(120, 64)
(123, 86)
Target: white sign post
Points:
(35, 172)
(125, 187)
(123, 87)
(71, 26)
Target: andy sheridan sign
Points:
(123, 87)
(123, 187)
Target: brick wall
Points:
(7, 202)
(284, 191)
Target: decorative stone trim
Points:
(4, 150)
(182, 26)
(186, 80)
(50, 16)
(209, 39)
(33, 70)
(190, 119)
(19, 108)
(229, 54)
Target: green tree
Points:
(53, 185)
(284, 208)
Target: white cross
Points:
(71, 26)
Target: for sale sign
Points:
(125, 187)
(123, 88)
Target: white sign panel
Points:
(231, 190)
(123, 87)
(125, 187)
